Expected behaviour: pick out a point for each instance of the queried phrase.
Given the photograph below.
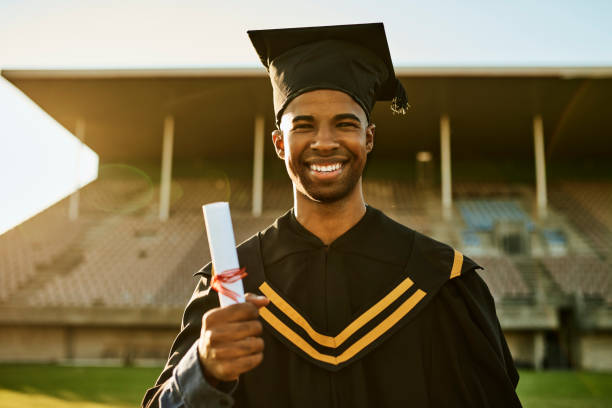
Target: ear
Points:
(279, 143)
(370, 132)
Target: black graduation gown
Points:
(382, 317)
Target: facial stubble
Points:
(322, 191)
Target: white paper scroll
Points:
(222, 246)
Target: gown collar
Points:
(366, 238)
(348, 235)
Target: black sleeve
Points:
(470, 361)
(202, 300)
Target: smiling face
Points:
(324, 139)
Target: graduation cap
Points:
(351, 58)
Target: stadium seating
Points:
(481, 215)
(489, 190)
(472, 243)
(556, 241)
(118, 254)
(16, 265)
(502, 277)
(587, 205)
(595, 197)
(126, 264)
(583, 274)
(393, 195)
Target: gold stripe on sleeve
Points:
(358, 346)
(355, 325)
(457, 263)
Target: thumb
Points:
(259, 301)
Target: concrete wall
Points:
(32, 344)
(124, 344)
(121, 345)
(86, 345)
(521, 345)
(596, 351)
(118, 345)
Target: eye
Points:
(348, 124)
(299, 126)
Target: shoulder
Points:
(443, 255)
(452, 278)
(467, 303)
(452, 281)
(435, 263)
(388, 227)
(431, 262)
(470, 287)
(425, 249)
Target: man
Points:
(358, 310)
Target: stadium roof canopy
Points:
(490, 109)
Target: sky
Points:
(38, 157)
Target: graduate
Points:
(346, 307)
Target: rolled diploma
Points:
(222, 246)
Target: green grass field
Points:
(44, 386)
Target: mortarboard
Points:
(352, 58)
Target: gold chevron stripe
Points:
(359, 345)
(294, 337)
(457, 263)
(355, 325)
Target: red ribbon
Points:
(229, 276)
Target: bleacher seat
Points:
(583, 274)
(556, 241)
(119, 254)
(588, 206)
(481, 215)
(503, 278)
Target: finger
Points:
(223, 371)
(258, 301)
(249, 362)
(231, 332)
(233, 313)
(240, 348)
(240, 365)
(229, 370)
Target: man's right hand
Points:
(230, 341)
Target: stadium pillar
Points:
(258, 161)
(539, 349)
(540, 164)
(445, 159)
(166, 168)
(73, 204)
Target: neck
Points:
(328, 221)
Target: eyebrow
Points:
(347, 116)
(340, 116)
(298, 118)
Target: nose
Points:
(324, 139)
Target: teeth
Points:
(327, 168)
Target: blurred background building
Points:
(511, 166)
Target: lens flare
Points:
(217, 185)
(119, 189)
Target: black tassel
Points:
(399, 103)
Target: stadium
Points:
(511, 166)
